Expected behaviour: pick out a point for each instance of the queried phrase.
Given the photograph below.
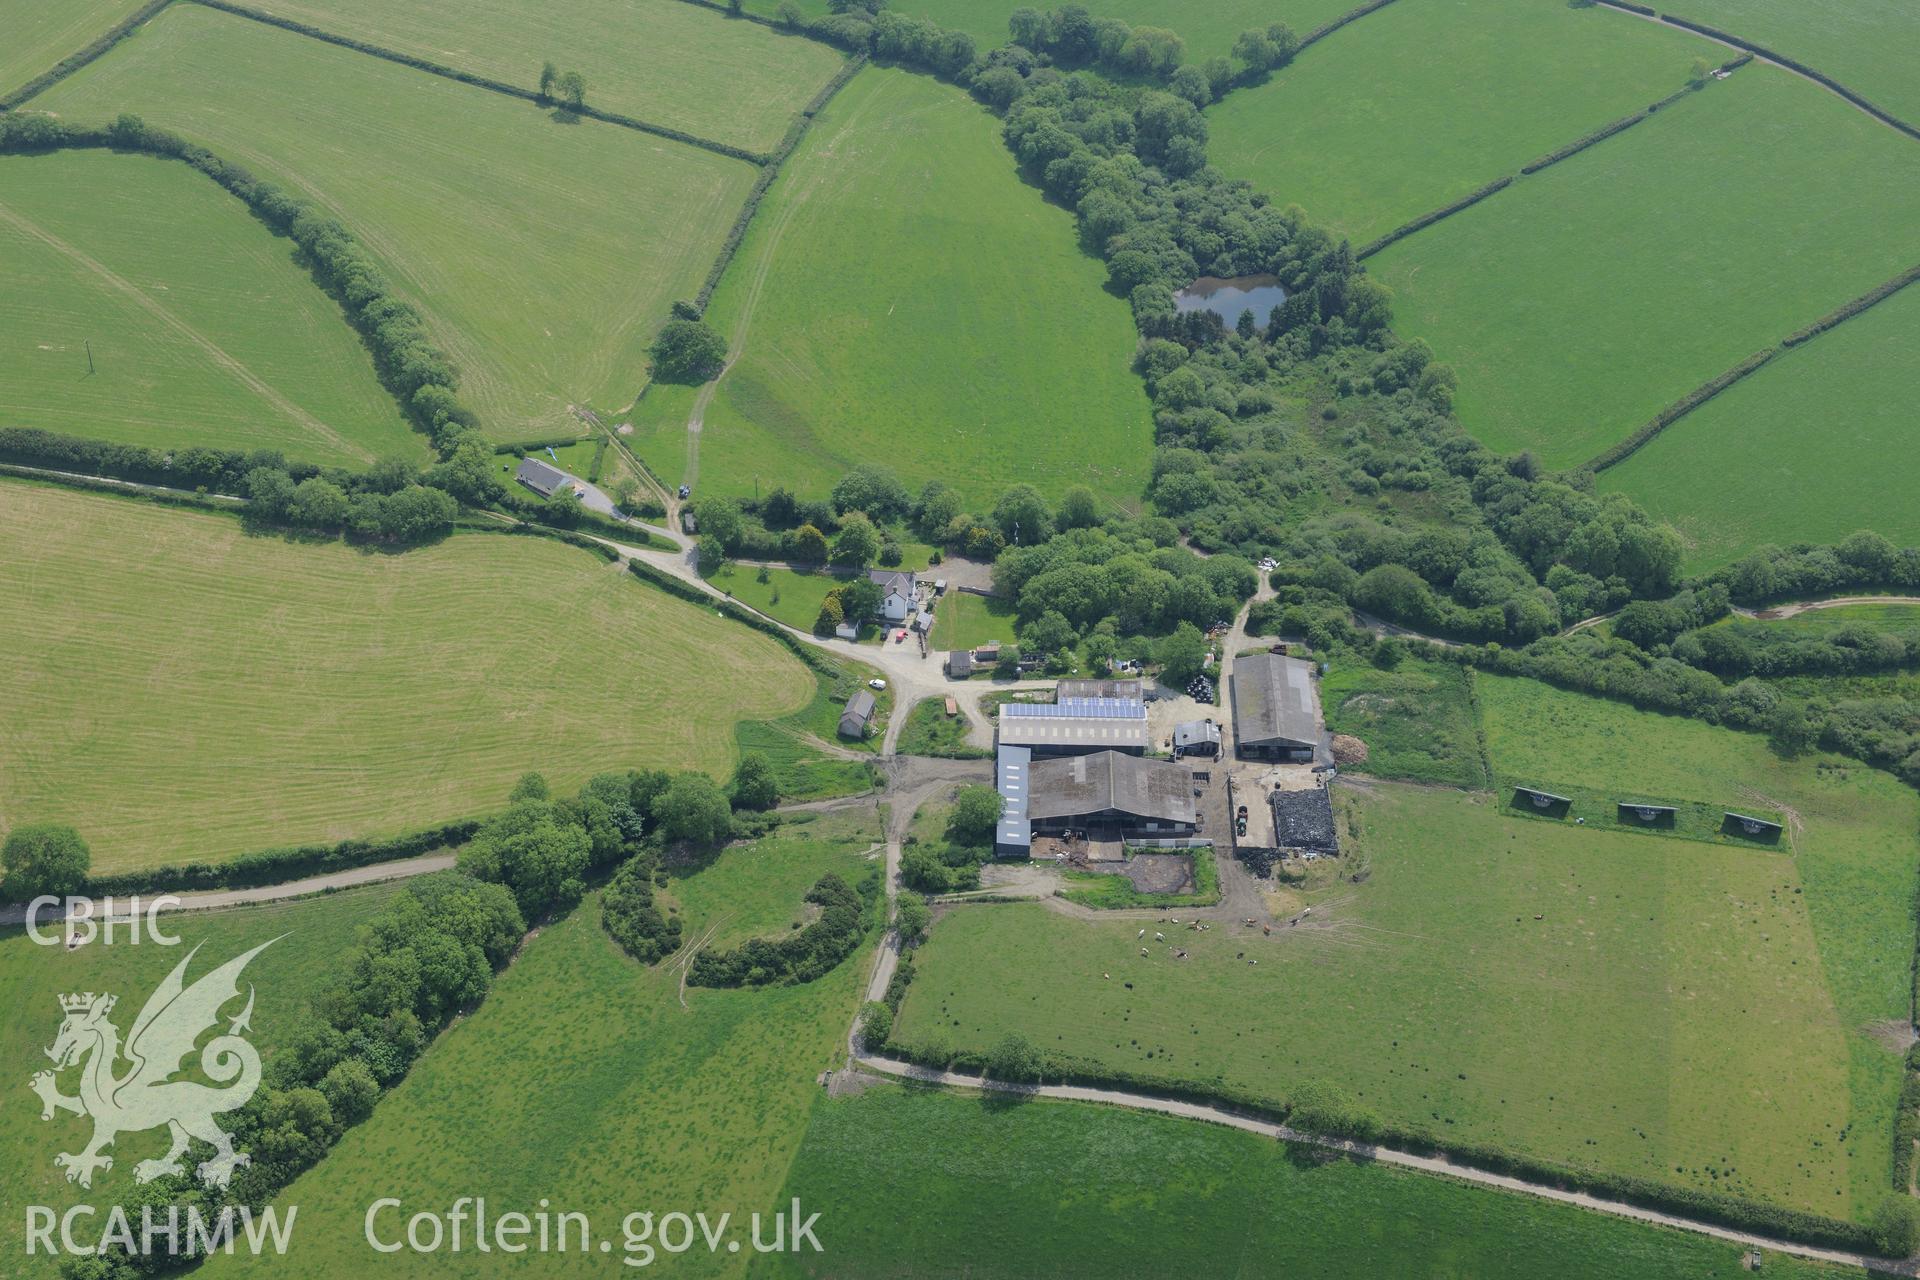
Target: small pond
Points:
(1228, 298)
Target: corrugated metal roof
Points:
(1104, 780)
(1011, 767)
(1273, 699)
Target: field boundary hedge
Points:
(1426, 220)
(769, 170)
(483, 82)
(284, 865)
(814, 659)
(74, 61)
(1326, 29)
(1624, 449)
(1759, 50)
(1648, 1193)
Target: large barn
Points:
(1075, 726)
(1111, 796)
(1275, 707)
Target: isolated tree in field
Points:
(45, 858)
(694, 809)
(548, 74)
(754, 786)
(1015, 1058)
(858, 542)
(688, 351)
(572, 87)
(976, 812)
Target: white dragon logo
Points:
(144, 1097)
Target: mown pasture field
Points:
(543, 253)
(42, 32)
(583, 1081)
(285, 976)
(1417, 720)
(1335, 132)
(1087, 1193)
(1665, 1016)
(967, 621)
(203, 331)
(676, 65)
(1207, 29)
(1867, 45)
(1579, 302)
(181, 690)
(1815, 445)
(902, 299)
(788, 594)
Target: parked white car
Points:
(876, 684)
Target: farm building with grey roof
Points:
(1275, 707)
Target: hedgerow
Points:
(74, 61)
(804, 955)
(278, 866)
(1428, 219)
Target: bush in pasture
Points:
(43, 858)
(688, 351)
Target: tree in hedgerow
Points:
(976, 812)
(912, 915)
(693, 809)
(548, 74)
(45, 858)
(876, 1024)
(688, 351)
(572, 87)
(754, 784)
(711, 554)
(1015, 1058)
(857, 544)
(1022, 516)
(807, 545)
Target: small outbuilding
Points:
(1069, 690)
(1196, 738)
(857, 715)
(959, 664)
(540, 477)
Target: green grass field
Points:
(903, 299)
(202, 329)
(42, 32)
(668, 64)
(1686, 1011)
(582, 1080)
(1867, 45)
(967, 621)
(1417, 720)
(1580, 302)
(1817, 444)
(787, 594)
(1335, 132)
(543, 253)
(183, 691)
(318, 930)
(1088, 1192)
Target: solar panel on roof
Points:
(1078, 709)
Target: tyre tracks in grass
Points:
(220, 357)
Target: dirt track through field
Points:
(212, 350)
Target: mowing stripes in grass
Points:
(140, 303)
(1332, 132)
(543, 254)
(901, 298)
(667, 64)
(181, 691)
(40, 34)
(1584, 299)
